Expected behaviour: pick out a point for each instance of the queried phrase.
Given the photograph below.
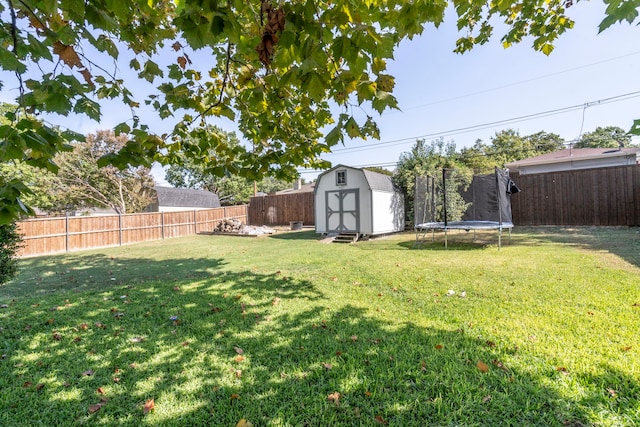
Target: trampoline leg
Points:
(445, 239)
(499, 239)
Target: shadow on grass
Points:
(621, 241)
(296, 235)
(98, 272)
(213, 349)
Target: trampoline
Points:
(486, 203)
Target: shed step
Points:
(346, 238)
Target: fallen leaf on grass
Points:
(87, 373)
(327, 366)
(27, 384)
(99, 390)
(334, 397)
(612, 392)
(239, 358)
(486, 399)
(238, 350)
(439, 346)
(238, 373)
(234, 396)
(562, 369)
(95, 408)
(244, 423)
(483, 367)
(626, 348)
(136, 339)
(275, 301)
(354, 338)
(500, 365)
(148, 406)
(57, 336)
(381, 420)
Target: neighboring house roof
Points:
(186, 197)
(576, 154)
(304, 188)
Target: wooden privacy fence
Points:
(281, 209)
(64, 234)
(603, 196)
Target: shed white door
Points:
(343, 211)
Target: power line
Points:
(481, 126)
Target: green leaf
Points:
(38, 49)
(90, 108)
(352, 128)
(547, 48)
(105, 44)
(366, 91)
(9, 61)
(334, 136)
(134, 64)
(150, 71)
(635, 129)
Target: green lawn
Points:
(289, 331)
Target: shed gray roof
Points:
(186, 197)
(379, 181)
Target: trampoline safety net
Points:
(487, 201)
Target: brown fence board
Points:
(603, 196)
(281, 209)
(63, 234)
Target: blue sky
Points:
(441, 93)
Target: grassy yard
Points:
(289, 331)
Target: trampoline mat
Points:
(464, 225)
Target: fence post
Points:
(120, 229)
(162, 224)
(195, 223)
(224, 212)
(66, 232)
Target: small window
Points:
(341, 177)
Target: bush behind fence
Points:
(44, 236)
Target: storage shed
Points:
(352, 200)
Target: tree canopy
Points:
(273, 68)
(604, 137)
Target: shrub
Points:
(10, 242)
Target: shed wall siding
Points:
(387, 212)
